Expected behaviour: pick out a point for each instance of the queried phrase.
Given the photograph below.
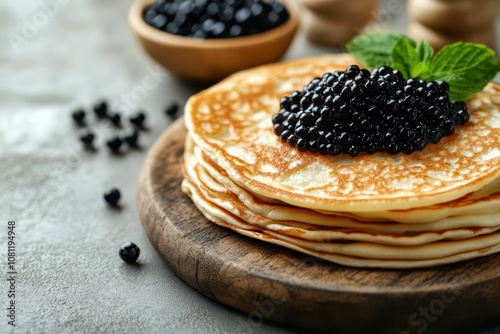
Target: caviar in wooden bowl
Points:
(227, 39)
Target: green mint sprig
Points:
(466, 67)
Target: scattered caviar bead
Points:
(138, 120)
(131, 136)
(87, 139)
(357, 111)
(114, 144)
(129, 252)
(172, 110)
(116, 119)
(112, 197)
(101, 109)
(79, 117)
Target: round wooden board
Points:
(269, 282)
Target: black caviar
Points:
(114, 144)
(358, 111)
(115, 119)
(138, 120)
(129, 252)
(112, 197)
(87, 138)
(172, 109)
(101, 109)
(215, 19)
(79, 117)
(131, 136)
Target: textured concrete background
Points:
(70, 279)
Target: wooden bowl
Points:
(212, 59)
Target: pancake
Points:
(349, 230)
(474, 249)
(483, 201)
(231, 123)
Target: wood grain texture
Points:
(272, 283)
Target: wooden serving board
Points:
(271, 283)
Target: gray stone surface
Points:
(70, 279)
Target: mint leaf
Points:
(425, 51)
(467, 68)
(410, 60)
(420, 70)
(404, 57)
(375, 50)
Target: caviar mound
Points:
(356, 111)
(215, 19)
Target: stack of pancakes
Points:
(433, 207)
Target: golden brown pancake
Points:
(457, 252)
(483, 201)
(341, 228)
